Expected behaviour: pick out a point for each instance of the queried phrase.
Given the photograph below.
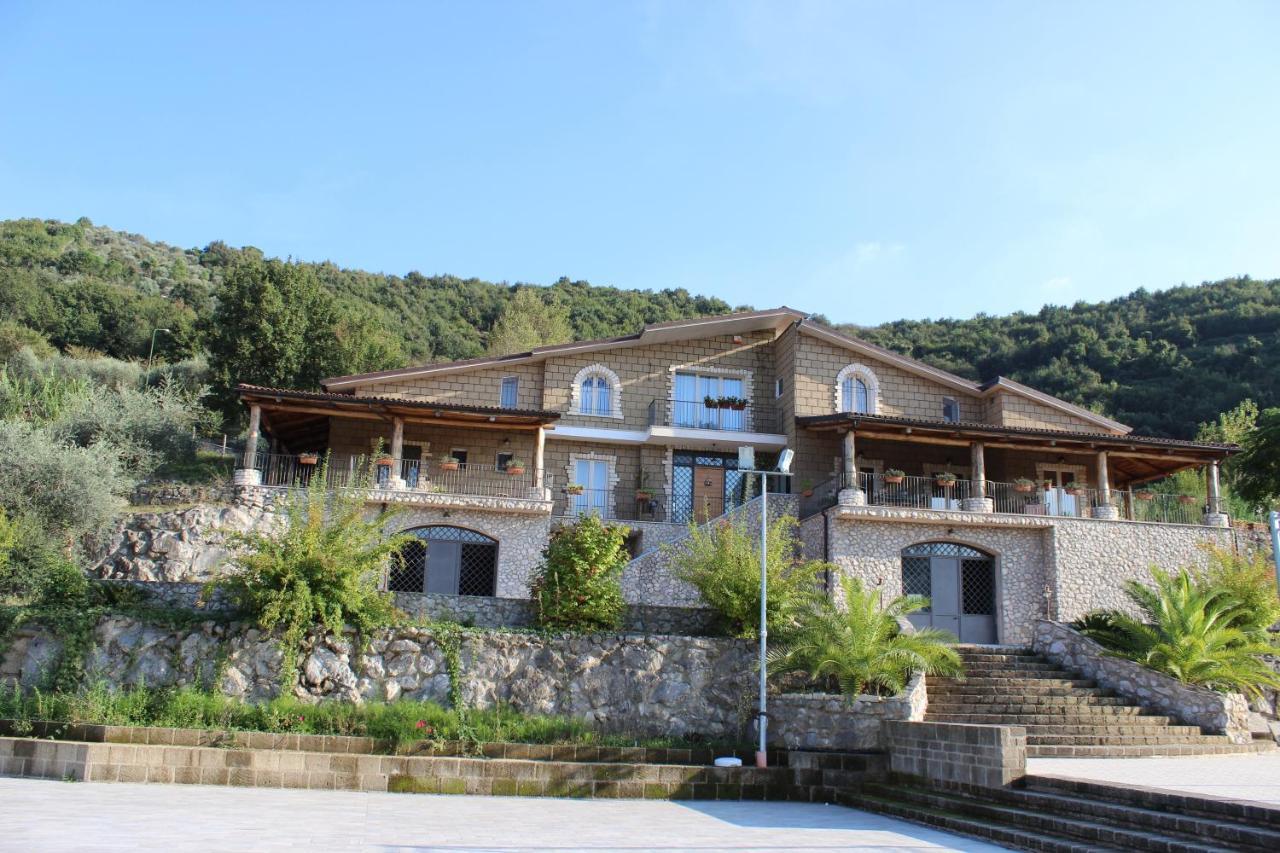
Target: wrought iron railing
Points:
(614, 505)
(429, 476)
(1027, 499)
(701, 414)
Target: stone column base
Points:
(1108, 512)
(1217, 519)
(978, 504)
(247, 477)
(851, 497)
(397, 483)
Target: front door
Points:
(444, 565)
(708, 493)
(960, 584)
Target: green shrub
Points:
(578, 586)
(322, 568)
(722, 561)
(1248, 579)
(1191, 630)
(861, 645)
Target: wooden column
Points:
(1104, 479)
(539, 443)
(251, 442)
(978, 462)
(397, 442)
(850, 463)
(1213, 487)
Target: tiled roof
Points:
(244, 389)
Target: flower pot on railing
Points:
(1023, 485)
(1187, 499)
(1145, 495)
(515, 467)
(946, 481)
(711, 402)
(574, 489)
(1076, 491)
(644, 495)
(893, 476)
(737, 403)
(308, 458)
(449, 463)
(388, 461)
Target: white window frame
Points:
(868, 377)
(597, 371)
(575, 507)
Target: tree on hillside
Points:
(1257, 469)
(528, 321)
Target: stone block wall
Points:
(828, 722)
(1214, 713)
(957, 753)
(478, 387)
(482, 446)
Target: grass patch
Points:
(202, 468)
(404, 722)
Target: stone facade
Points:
(956, 753)
(644, 684)
(1047, 567)
(1214, 713)
(828, 722)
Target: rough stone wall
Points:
(825, 721)
(166, 493)
(659, 685)
(812, 537)
(1215, 713)
(986, 756)
(479, 387)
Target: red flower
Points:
(422, 723)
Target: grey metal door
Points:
(944, 574)
(444, 564)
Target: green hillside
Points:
(1163, 362)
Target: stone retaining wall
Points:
(828, 722)
(1216, 713)
(959, 753)
(644, 684)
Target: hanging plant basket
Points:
(1145, 495)
(308, 458)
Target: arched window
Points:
(445, 560)
(596, 392)
(857, 390)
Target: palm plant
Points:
(1192, 630)
(862, 644)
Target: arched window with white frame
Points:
(857, 390)
(597, 392)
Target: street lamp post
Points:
(746, 465)
(1274, 522)
(152, 353)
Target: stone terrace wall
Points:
(1217, 713)
(824, 721)
(986, 756)
(644, 684)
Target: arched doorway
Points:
(960, 583)
(447, 560)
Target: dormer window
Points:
(857, 390)
(597, 392)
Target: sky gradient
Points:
(869, 161)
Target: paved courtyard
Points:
(1233, 777)
(61, 816)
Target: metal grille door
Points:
(961, 584)
(446, 560)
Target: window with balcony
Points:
(709, 402)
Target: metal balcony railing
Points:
(429, 476)
(704, 414)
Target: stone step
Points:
(1227, 829)
(1241, 812)
(1029, 705)
(1159, 737)
(1102, 730)
(1010, 672)
(1058, 680)
(1149, 751)
(1054, 720)
(1085, 828)
(1006, 690)
(997, 831)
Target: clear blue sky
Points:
(866, 160)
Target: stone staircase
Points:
(1064, 716)
(1064, 816)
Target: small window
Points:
(950, 410)
(510, 392)
(504, 459)
(459, 454)
(777, 387)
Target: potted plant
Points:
(643, 492)
(710, 402)
(1187, 499)
(1145, 495)
(894, 475)
(308, 458)
(449, 463)
(806, 489)
(1078, 491)
(1024, 485)
(385, 459)
(515, 467)
(946, 479)
(574, 489)
(737, 403)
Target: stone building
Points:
(1000, 502)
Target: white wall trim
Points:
(868, 376)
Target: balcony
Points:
(1022, 499)
(705, 414)
(415, 480)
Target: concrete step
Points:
(1052, 720)
(1008, 689)
(1159, 737)
(1100, 730)
(993, 682)
(1147, 751)
(1134, 834)
(1236, 811)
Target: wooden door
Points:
(708, 493)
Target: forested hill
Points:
(1163, 362)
